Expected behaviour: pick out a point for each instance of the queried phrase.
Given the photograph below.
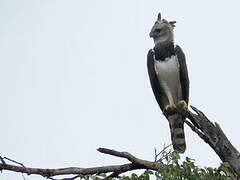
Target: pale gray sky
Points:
(73, 78)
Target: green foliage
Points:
(189, 171)
(173, 170)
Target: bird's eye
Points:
(158, 30)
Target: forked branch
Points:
(136, 163)
(213, 135)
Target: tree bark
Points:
(213, 135)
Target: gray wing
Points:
(184, 80)
(157, 90)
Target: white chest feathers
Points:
(169, 77)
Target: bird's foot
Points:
(169, 110)
(182, 104)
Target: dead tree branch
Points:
(199, 123)
(213, 135)
(136, 163)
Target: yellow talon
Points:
(169, 109)
(182, 104)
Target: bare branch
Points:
(69, 170)
(11, 160)
(139, 162)
(164, 149)
(214, 136)
(209, 132)
(136, 163)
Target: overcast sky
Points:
(73, 78)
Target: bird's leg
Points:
(182, 104)
(170, 108)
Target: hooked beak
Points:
(151, 34)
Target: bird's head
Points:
(162, 30)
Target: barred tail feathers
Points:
(176, 123)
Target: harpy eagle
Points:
(168, 75)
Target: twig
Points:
(114, 174)
(21, 164)
(23, 176)
(2, 160)
(155, 154)
(163, 152)
(164, 149)
(165, 156)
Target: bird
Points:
(168, 74)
